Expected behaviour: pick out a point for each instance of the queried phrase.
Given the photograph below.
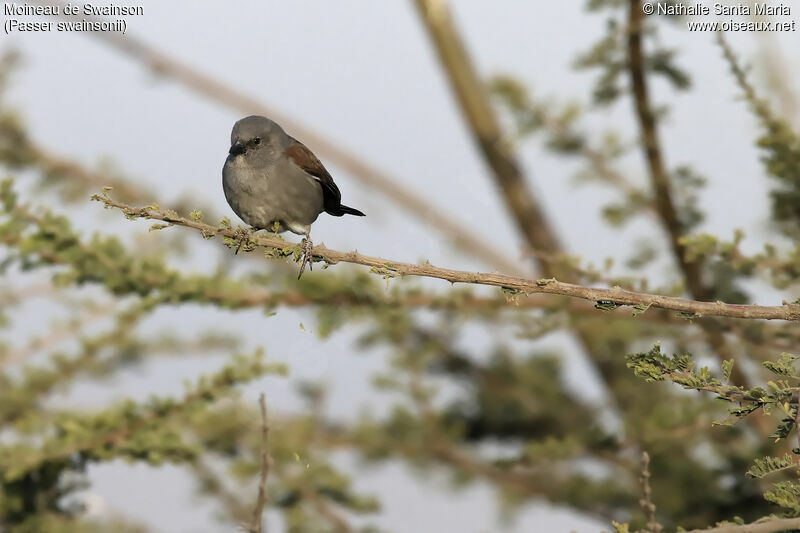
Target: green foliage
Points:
(784, 366)
(780, 395)
(769, 465)
(33, 465)
(609, 55)
(785, 494)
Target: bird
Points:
(274, 182)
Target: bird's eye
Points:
(257, 140)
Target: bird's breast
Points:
(275, 192)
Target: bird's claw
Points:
(305, 259)
(244, 237)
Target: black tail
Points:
(344, 210)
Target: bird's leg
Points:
(244, 237)
(305, 259)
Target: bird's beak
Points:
(237, 148)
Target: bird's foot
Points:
(244, 237)
(306, 257)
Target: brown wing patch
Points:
(305, 159)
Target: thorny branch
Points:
(761, 109)
(770, 525)
(797, 417)
(664, 202)
(266, 460)
(646, 502)
(659, 176)
(606, 298)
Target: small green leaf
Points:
(769, 465)
(727, 369)
(620, 527)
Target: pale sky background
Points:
(363, 73)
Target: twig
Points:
(609, 298)
(646, 502)
(659, 177)
(770, 525)
(266, 460)
(256, 296)
(797, 418)
(433, 216)
(759, 106)
(665, 204)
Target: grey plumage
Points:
(270, 178)
(272, 181)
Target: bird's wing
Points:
(306, 160)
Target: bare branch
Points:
(266, 461)
(609, 298)
(797, 418)
(770, 525)
(659, 177)
(759, 106)
(646, 502)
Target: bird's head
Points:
(257, 138)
